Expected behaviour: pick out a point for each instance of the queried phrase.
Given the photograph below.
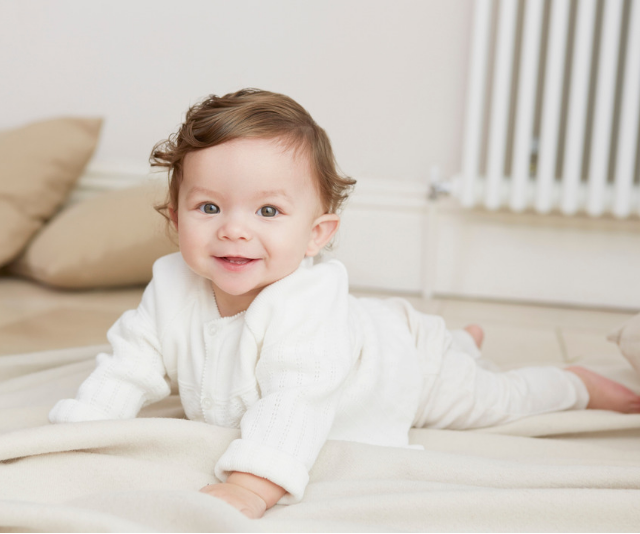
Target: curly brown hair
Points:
(252, 113)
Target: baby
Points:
(254, 336)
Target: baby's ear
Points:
(324, 228)
(173, 215)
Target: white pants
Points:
(468, 392)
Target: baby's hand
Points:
(244, 500)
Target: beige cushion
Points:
(627, 336)
(40, 164)
(105, 241)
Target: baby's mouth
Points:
(237, 261)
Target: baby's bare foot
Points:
(606, 394)
(476, 333)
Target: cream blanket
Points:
(570, 471)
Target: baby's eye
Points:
(209, 208)
(268, 211)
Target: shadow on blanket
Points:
(566, 471)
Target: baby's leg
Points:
(464, 395)
(605, 394)
(469, 340)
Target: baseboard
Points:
(546, 259)
(439, 249)
(382, 235)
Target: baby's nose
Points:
(234, 228)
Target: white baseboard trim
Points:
(443, 250)
(545, 259)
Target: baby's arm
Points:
(124, 381)
(305, 361)
(250, 494)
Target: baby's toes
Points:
(477, 333)
(634, 403)
(625, 400)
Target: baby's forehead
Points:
(267, 158)
(261, 166)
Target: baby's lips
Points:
(236, 259)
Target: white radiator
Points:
(553, 107)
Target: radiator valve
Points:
(437, 186)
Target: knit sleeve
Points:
(124, 381)
(303, 364)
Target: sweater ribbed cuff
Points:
(267, 462)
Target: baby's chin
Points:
(234, 286)
(238, 291)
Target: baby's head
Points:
(253, 113)
(253, 189)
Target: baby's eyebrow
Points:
(201, 190)
(273, 193)
(269, 193)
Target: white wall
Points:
(385, 78)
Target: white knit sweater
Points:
(305, 363)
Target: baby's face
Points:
(247, 214)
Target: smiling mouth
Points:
(236, 260)
(235, 263)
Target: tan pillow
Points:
(40, 164)
(105, 241)
(627, 337)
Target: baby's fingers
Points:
(241, 499)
